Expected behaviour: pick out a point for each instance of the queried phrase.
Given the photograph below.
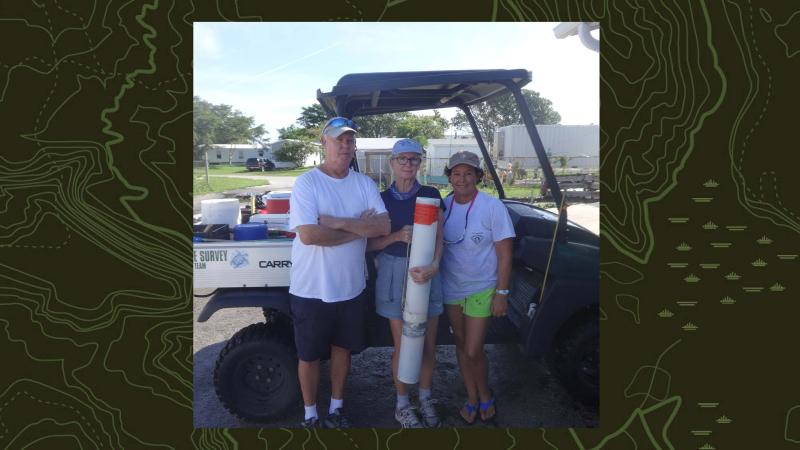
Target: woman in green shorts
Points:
(476, 268)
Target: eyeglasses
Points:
(339, 122)
(414, 160)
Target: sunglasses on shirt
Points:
(466, 220)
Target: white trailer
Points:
(580, 144)
(235, 153)
(439, 151)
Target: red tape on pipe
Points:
(426, 214)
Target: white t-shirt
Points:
(333, 273)
(470, 266)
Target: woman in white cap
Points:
(400, 200)
(476, 268)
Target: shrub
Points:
(295, 151)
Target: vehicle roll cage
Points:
(364, 94)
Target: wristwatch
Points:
(503, 291)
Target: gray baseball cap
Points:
(464, 157)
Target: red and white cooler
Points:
(277, 202)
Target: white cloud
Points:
(206, 42)
(284, 65)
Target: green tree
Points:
(205, 124)
(380, 125)
(502, 111)
(422, 128)
(402, 124)
(295, 151)
(295, 132)
(312, 116)
(221, 124)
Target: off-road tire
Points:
(577, 361)
(256, 373)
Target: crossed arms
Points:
(331, 231)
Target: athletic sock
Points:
(402, 401)
(424, 394)
(311, 411)
(336, 403)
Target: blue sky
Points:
(271, 70)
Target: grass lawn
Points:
(516, 192)
(219, 184)
(224, 169)
(221, 169)
(289, 172)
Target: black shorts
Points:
(318, 325)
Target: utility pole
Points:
(205, 158)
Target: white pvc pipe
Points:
(415, 305)
(588, 41)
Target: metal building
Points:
(580, 144)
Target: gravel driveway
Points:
(527, 393)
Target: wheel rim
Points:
(263, 374)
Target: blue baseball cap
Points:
(407, 146)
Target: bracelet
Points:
(502, 291)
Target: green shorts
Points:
(478, 304)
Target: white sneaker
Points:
(407, 417)
(428, 411)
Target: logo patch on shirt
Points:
(477, 237)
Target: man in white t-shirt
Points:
(333, 210)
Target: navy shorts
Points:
(318, 325)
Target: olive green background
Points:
(699, 169)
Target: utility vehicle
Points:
(553, 305)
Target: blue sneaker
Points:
(336, 420)
(311, 422)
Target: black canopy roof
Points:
(361, 94)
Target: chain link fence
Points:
(521, 177)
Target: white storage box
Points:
(220, 210)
